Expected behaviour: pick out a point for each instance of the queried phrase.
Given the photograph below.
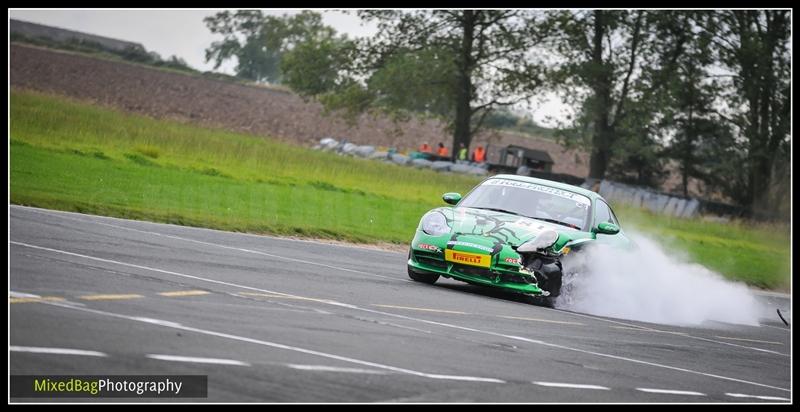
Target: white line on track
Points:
(765, 398)
(643, 328)
(684, 334)
(541, 320)
(750, 340)
(167, 272)
(784, 328)
(670, 392)
(447, 325)
(56, 351)
(257, 252)
(571, 385)
(451, 312)
(203, 229)
(21, 295)
(156, 321)
(175, 325)
(191, 359)
(18, 297)
(321, 368)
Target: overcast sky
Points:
(183, 33)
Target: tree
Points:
(608, 69)
(752, 54)
(457, 64)
(637, 154)
(259, 42)
(688, 102)
(315, 66)
(754, 46)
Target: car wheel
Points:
(552, 285)
(429, 278)
(551, 280)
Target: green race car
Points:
(512, 232)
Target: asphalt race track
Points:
(278, 320)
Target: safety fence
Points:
(668, 204)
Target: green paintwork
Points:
(498, 234)
(451, 198)
(607, 228)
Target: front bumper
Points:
(505, 276)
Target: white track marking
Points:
(541, 320)
(21, 295)
(167, 272)
(175, 325)
(452, 312)
(257, 252)
(354, 307)
(670, 392)
(391, 278)
(684, 334)
(749, 340)
(644, 329)
(56, 351)
(203, 229)
(786, 328)
(765, 398)
(321, 368)
(191, 359)
(274, 296)
(571, 385)
(157, 321)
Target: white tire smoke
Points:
(651, 285)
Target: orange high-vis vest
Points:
(442, 151)
(425, 148)
(480, 155)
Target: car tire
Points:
(429, 278)
(552, 280)
(552, 286)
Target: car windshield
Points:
(531, 200)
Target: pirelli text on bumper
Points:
(109, 386)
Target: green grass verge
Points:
(73, 156)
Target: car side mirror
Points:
(606, 228)
(451, 198)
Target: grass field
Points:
(73, 156)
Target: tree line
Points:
(707, 91)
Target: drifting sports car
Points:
(511, 232)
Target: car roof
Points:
(558, 185)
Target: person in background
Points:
(479, 155)
(463, 152)
(425, 148)
(442, 151)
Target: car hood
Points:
(504, 227)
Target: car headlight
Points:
(435, 224)
(543, 241)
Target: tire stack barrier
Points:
(329, 144)
(671, 205)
